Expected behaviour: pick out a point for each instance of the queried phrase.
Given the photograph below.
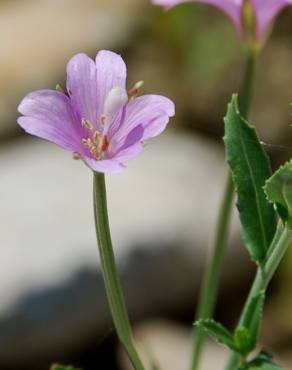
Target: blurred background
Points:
(162, 209)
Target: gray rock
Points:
(169, 345)
(38, 37)
(162, 213)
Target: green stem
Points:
(112, 284)
(263, 277)
(210, 285)
(211, 279)
(248, 82)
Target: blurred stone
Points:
(37, 37)
(162, 213)
(168, 344)
(286, 359)
(205, 65)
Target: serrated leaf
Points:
(217, 332)
(62, 367)
(252, 319)
(250, 169)
(278, 189)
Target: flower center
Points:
(96, 143)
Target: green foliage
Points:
(217, 332)
(279, 192)
(242, 339)
(250, 169)
(252, 319)
(62, 367)
(245, 337)
(262, 362)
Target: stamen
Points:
(87, 143)
(76, 156)
(59, 88)
(97, 145)
(95, 153)
(135, 90)
(96, 137)
(86, 124)
(103, 119)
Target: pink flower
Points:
(97, 119)
(263, 11)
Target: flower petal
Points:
(266, 11)
(104, 166)
(152, 112)
(111, 73)
(48, 114)
(129, 153)
(133, 137)
(82, 87)
(230, 7)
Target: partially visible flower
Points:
(247, 15)
(97, 118)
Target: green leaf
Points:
(62, 367)
(263, 366)
(218, 332)
(242, 339)
(252, 319)
(278, 189)
(262, 362)
(250, 169)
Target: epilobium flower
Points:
(97, 118)
(248, 16)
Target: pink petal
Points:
(230, 7)
(266, 11)
(152, 112)
(129, 153)
(104, 166)
(133, 137)
(48, 114)
(111, 72)
(82, 87)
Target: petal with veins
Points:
(48, 114)
(82, 87)
(111, 72)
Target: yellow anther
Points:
(87, 142)
(103, 119)
(97, 144)
(96, 137)
(76, 156)
(87, 124)
(135, 90)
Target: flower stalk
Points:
(112, 284)
(209, 291)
